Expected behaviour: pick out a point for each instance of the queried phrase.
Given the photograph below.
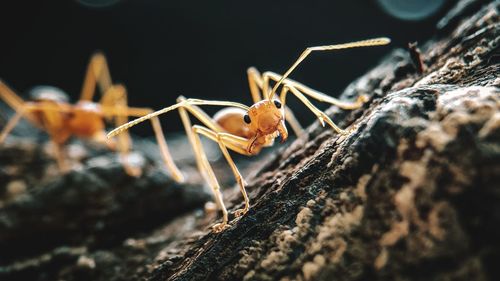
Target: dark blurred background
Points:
(160, 49)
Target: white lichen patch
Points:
(360, 190)
(311, 268)
(482, 101)
(15, 188)
(381, 259)
(329, 235)
(453, 110)
(325, 243)
(493, 124)
(435, 136)
(303, 217)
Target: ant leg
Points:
(9, 97)
(294, 123)
(222, 139)
(14, 101)
(160, 138)
(199, 156)
(182, 103)
(316, 94)
(54, 125)
(97, 73)
(10, 125)
(50, 114)
(307, 51)
(60, 156)
(116, 96)
(167, 157)
(320, 114)
(256, 82)
(209, 175)
(235, 143)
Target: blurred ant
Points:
(246, 130)
(50, 111)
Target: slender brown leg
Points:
(10, 125)
(97, 73)
(13, 100)
(167, 158)
(221, 139)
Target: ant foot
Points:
(219, 227)
(240, 212)
(133, 171)
(363, 99)
(348, 131)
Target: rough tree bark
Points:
(411, 194)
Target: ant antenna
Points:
(364, 43)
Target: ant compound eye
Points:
(246, 118)
(277, 103)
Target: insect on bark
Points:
(246, 130)
(51, 112)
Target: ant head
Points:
(267, 117)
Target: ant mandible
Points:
(246, 130)
(50, 111)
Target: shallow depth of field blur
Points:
(161, 49)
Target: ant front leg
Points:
(209, 175)
(224, 140)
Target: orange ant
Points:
(50, 111)
(246, 130)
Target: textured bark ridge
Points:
(412, 194)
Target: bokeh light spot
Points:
(413, 10)
(97, 3)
